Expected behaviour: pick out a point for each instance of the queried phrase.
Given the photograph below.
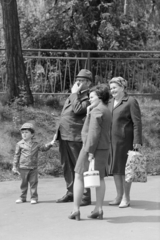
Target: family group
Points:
(98, 126)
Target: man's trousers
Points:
(69, 151)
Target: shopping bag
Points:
(135, 170)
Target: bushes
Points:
(53, 101)
(151, 133)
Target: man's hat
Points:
(27, 126)
(85, 73)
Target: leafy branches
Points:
(90, 24)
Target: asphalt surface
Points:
(48, 220)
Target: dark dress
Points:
(126, 130)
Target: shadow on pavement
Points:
(131, 219)
(50, 201)
(139, 204)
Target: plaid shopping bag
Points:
(135, 170)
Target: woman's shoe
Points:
(115, 202)
(75, 215)
(98, 214)
(124, 204)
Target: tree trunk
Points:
(16, 72)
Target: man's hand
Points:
(15, 171)
(76, 87)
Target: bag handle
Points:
(91, 165)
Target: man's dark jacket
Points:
(73, 116)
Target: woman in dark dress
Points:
(96, 144)
(126, 134)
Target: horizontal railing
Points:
(54, 71)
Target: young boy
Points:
(25, 162)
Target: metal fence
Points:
(53, 71)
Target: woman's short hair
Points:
(102, 92)
(120, 81)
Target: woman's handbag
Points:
(135, 170)
(91, 177)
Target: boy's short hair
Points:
(28, 126)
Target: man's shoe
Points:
(65, 198)
(85, 203)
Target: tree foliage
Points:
(90, 24)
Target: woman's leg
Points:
(126, 196)
(127, 188)
(100, 192)
(78, 189)
(118, 179)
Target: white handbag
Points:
(91, 177)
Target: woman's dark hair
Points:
(102, 92)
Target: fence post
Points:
(89, 61)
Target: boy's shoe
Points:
(20, 200)
(33, 201)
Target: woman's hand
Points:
(89, 108)
(91, 165)
(137, 146)
(90, 157)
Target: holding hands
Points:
(15, 171)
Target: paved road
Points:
(48, 220)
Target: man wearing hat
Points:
(69, 132)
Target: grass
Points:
(151, 133)
(45, 117)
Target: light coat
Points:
(96, 140)
(96, 129)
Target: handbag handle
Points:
(136, 150)
(91, 165)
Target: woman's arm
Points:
(137, 123)
(94, 131)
